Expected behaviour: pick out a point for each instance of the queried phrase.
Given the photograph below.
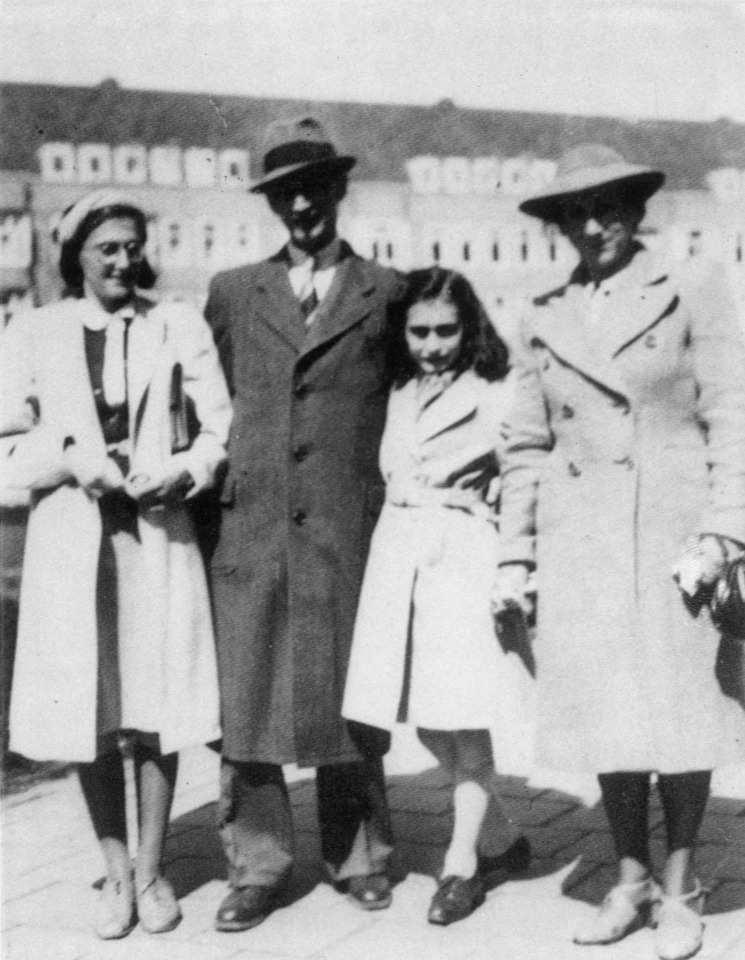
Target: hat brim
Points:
(639, 184)
(333, 165)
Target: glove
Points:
(512, 589)
(95, 474)
(157, 493)
(701, 564)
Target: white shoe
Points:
(624, 907)
(680, 930)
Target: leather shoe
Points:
(116, 915)
(246, 907)
(515, 859)
(158, 907)
(456, 898)
(369, 892)
(626, 907)
(679, 928)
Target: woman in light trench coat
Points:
(626, 455)
(115, 630)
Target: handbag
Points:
(185, 424)
(727, 602)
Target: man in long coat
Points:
(303, 339)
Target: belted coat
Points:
(617, 453)
(299, 502)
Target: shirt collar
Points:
(325, 259)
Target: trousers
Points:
(255, 821)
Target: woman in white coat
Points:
(127, 417)
(625, 461)
(425, 651)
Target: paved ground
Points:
(51, 862)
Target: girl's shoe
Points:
(624, 908)
(456, 898)
(680, 930)
(157, 906)
(115, 914)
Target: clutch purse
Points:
(184, 422)
(727, 602)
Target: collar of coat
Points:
(644, 295)
(149, 346)
(347, 303)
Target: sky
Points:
(671, 59)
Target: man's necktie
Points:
(308, 296)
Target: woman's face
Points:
(602, 230)
(434, 335)
(110, 260)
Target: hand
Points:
(157, 493)
(701, 564)
(94, 474)
(512, 588)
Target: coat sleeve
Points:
(32, 457)
(718, 355)
(217, 315)
(205, 385)
(528, 439)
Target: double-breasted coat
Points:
(424, 629)
(299, 501)
(54, 697)
(616, 454)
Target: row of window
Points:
(210, 244)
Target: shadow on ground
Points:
(570, 841)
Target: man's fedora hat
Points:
(296, 145)
(588, 170)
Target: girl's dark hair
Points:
(482, 349)
(69, 258)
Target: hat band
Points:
(297, 151)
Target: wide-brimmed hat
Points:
(588, 170)
(295, 145)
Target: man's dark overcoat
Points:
(299, 502)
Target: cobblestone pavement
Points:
(51, 863)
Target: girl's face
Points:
(110, 259)
(434, 335)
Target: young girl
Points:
(425, 650)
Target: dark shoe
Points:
(157, 906)
(371, 892)
(246, 907)
(456, 898)
(515, 859)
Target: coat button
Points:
(299, 516)
(650, 341)
(300, 453)
(574, 470)
(567, 412)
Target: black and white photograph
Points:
(372, 479)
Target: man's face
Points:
(602, 231)
(308, 206)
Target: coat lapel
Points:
(455, 407)
(276, 303)
(641, 299)
(347, 303)
(146, 340)
(558, 326)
